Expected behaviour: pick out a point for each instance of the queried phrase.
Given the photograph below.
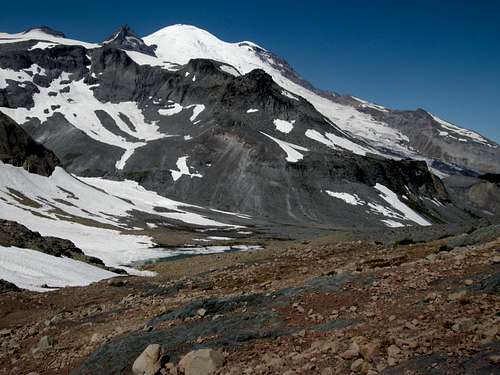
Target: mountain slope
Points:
(217, 134)
(391, 132)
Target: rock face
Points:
(125, 38)
(201, 362)
(19, 149)
(481, 196)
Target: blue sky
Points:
(443, 56)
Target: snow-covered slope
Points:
(95, 219)
(47, 38)
(33, 270)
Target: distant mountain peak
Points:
(46, 30)
(125, 38)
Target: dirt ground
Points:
(296, 307)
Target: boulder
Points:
(201, 362)
(150, 361)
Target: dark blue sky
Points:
(443, 56)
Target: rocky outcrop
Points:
(481, 196)
(19, 149)
(6, 286)
(125, 38)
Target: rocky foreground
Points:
(311, 307)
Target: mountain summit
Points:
(126, 39)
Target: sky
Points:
(443, 56)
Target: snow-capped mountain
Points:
(230, 126)
(415, 134)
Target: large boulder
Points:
(150, 362)
(201, 362)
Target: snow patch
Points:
(284, 126)
(292, 151)
(197, 109)
(333, 141)
(230, 70)
(346, 197)
(392, 198)
(183, 169)
(288, 95)
(171, 110)
(30, 269)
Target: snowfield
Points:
(38, 34)
(30, 269)
(90, 212)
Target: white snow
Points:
(175, 108)
(392, 223)
(283, 125)
(459, 132)
(30, 269)
(288, 95)
(217, 238)
(252, 110)
(367, 104)
(392, 198)
(143, 59)
(292, 151)
(93, 219)
(183, 169)
(230, 70)
(397, 209)
(346, 197)
(20, 76)
(38, 34)
(43, 45)
(146, 201)
(333, 141)
(120, 164)
(172, 109)
(197, 109)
